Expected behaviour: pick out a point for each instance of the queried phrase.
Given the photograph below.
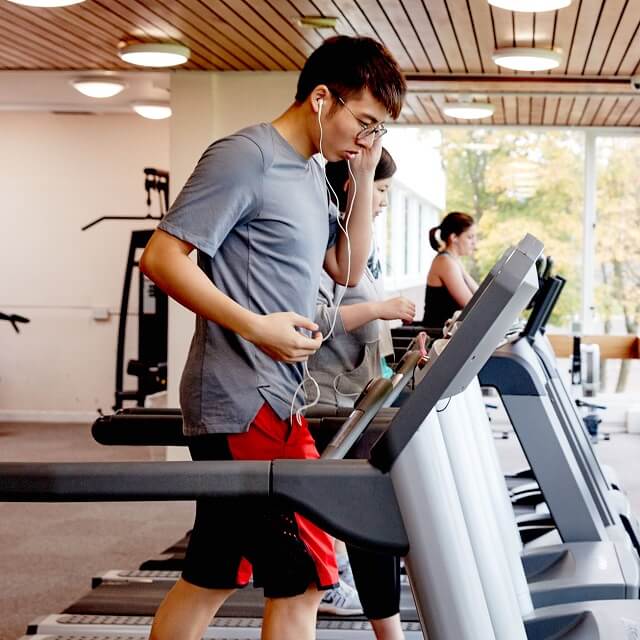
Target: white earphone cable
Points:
(345, 230)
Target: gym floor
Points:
(49, 552)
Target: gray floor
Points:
(49, 552)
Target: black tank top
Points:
(439, 305)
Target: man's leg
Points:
(291, 618)
(388, 628)
(186, 611)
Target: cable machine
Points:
(150, 366)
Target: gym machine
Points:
(150, 366)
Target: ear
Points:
(318, 97)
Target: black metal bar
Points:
(101, 218)
(132, 481)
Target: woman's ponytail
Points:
(433, 238)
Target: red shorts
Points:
(285, 551)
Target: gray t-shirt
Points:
(259, 215)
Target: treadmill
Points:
(556, 573)
(192, 467)
(556, 443)
(409, 472)
(127, 600)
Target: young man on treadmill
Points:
(256, 209)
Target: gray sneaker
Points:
(345, 574)
(341, 601)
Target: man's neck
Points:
(293, 126)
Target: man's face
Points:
(351, 125)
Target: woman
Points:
(449, 286)
(359, 338)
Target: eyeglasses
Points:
(377, 129)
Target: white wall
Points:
(58, 172)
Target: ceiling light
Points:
(527, 58)
(46, 3)
(98, 86)
(530, 6)
(149, 54)
(318, 22)
(468, 110)
(152, 110)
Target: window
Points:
(406, 236)
(616, 262)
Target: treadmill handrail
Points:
(359, 419)
(132, 481)
(404, 373)
(138, 426)
(310, 486)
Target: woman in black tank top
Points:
(449, 286)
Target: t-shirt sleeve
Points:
(326, 311)
(224, 190)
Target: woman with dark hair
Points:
(354, 351)
(449, 286)
(359, 338)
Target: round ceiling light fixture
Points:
(152, 109)
(467, 110)
(531, 6)
(46, 3)
(154, 54)
(98, 86)
(527, 58)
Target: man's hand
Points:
(277, 336)
(367, 160)
(399, 308)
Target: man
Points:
(257, 211)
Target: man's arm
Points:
(358, 225)
(166, 261)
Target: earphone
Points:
(344, 290)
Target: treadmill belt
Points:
(82, 637)
(143, 599)
(180, 546)
(86, 627)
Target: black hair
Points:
(348, 66)
(454, 222)
(338, 174)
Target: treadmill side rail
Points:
(132, 481)
(348, 498)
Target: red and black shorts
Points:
(231, 540)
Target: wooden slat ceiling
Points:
(443, 46)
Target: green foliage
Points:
(518, 181)
(617, 290)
